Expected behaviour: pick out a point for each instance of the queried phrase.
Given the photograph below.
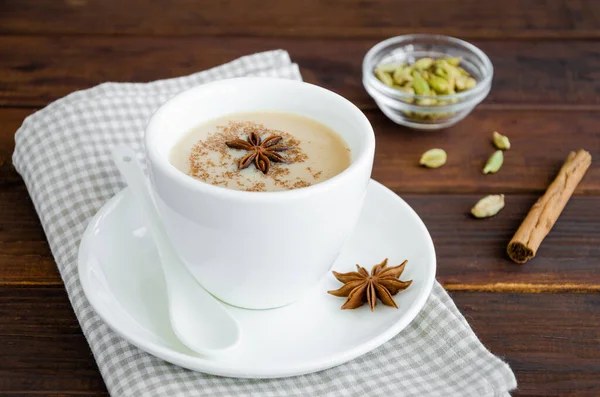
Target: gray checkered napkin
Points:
(63, 154)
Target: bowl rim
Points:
(370, 78)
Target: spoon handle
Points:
(197, 318)
(130, 168)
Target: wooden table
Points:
(542, 317)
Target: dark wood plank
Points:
(540, 143)
(36, 70)
(25, 258)
(43, 349)
(311, 18)
(10, 121)
(471, 253)
(552, 342)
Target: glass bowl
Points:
(402, 107)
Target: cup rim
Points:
(162, 163)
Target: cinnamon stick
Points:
(546, 210)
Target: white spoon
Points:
(197, 318)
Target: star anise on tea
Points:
(261, 152)
(360, 287)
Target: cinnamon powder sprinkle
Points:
(213, 162)
(314, 174)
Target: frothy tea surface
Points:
(261, 151)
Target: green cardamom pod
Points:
(385, 78)
(501, 141)
(462, 71)
(408, 90)
(451, 71)
(440, 72)
(427, 76)
(423, 63)
(420, 85)
(488, 206)
(494, 162)
(471, 83)
(461, 82)
(402, 75)
(439, 84)
(388, 67)
(454, 61)
(426, 102)
(451, 79)
(433, 158)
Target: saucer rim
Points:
(209, 365)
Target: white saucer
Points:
(122, 280)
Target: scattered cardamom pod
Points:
(494, 162)
(433, 158)
(501, 141)
(488, 206)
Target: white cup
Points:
(258, 250)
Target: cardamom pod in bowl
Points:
(426, 81)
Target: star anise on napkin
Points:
(262, 152)
(361, 288)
